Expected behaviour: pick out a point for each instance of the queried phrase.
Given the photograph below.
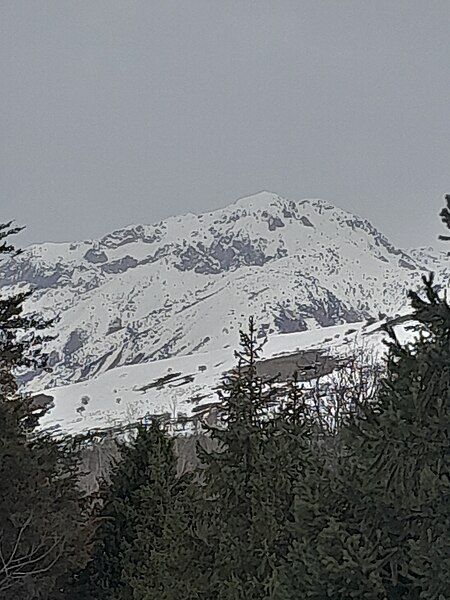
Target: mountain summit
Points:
(187, 284)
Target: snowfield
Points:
(184, 384)
(151, 301)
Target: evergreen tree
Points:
(164, 561)
(402, 447)
(380, 527)
(289, 463)
(320, 500)
(128, 558)
(250, 480)
(21, 336)
(42, 525)
(232, 476)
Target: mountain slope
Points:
(185, 385)
(180, 384)
(187, 284)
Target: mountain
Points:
(186, 285)
(187, 384)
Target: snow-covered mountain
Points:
(187, 384)
(186, 285)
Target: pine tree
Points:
(312, 564)
(402, 448)
(381, 526)
(21, 336)
(128, 558)
(231, 477)
(167, 564)
(286, 462)
(250, 480)
(42, 524)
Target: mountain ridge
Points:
(145, 293)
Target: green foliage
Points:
(403, 446)
(237, 559)
(379, 527)
(42, 523)
(171, 566)
(129, 555)
(249, 482)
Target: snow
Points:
(181, 289)
(141, 390)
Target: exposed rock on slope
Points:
(187, 284)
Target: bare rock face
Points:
(225, 254)
(96, 256)
(41, 402)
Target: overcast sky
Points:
(114, 113)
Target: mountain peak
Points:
(187, 284)
(266, 198)
(259, 199)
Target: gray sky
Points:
(114, 113)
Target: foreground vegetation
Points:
(284, 503)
